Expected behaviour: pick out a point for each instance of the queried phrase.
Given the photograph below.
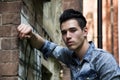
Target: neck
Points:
(81, 51)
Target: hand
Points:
(25, 31)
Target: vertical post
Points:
(99, 29)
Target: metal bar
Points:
(26, 59)
(99, 29)
(29, 57)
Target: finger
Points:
(23, 36)
(20, 27)
(27, 36)
(20, 35)
(26, 29)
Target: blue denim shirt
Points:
(97, 64)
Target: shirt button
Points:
(88, 78)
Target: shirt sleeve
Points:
(47, 48)
(50, 49)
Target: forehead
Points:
(69, 24)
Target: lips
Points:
(69, 43)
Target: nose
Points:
(68, 35)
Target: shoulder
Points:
(102, 54)
(103, 58)
(105, 64)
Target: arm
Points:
(61, 53)
(46, 47)
(25, 31)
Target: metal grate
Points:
(30, 65)
(30, 58)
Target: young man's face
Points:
(72, 34)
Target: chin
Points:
(71, 47)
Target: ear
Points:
(85, 31)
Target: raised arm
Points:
(25, 32)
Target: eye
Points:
(64, 32)
(73, 29)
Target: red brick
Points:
(0, 19)
(8, 31)
(9, 56)
(74, 4)
(10, 7)
(10, 0)
(10, 69)
(9, 78)
(9, 43)
(14, 31)
(10, 18)
(5, 31)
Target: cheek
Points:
(63, 37)
(78, 38)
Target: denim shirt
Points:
(97, 64)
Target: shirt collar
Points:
(88, 54)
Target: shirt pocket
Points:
(89, 75)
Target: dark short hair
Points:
(73, 14)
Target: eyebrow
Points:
(70, 28)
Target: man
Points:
(86, 62)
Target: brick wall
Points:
(9, 20)
(74, 4)
(110, 27)
(115, 32)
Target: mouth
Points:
(69, 43)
